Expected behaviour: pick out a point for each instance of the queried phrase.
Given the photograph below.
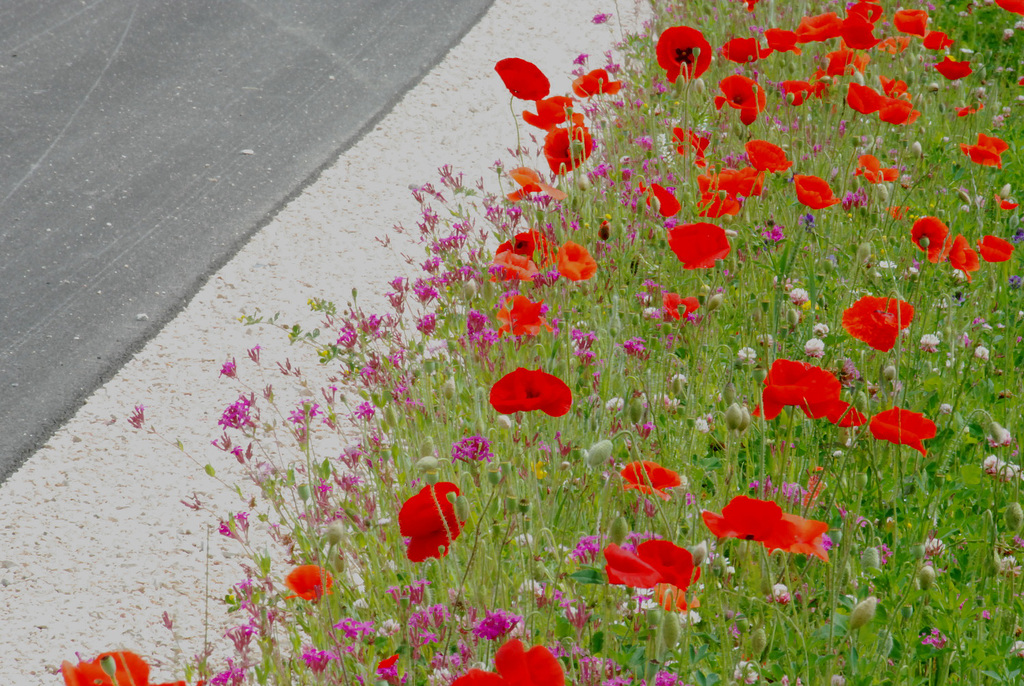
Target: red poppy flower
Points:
(650, 478)
(796, 92)
(743, 94)
(698, 245)
(814, 192)
(521, 317)
(897, 111)
(529, 182)
(936, 40)
(682, 50)
(765, 156)
(903, 427)
(987, 151)
(673, 599)
(748, 519)
(526, 390)
(525, 244)
(964, 111)
(715, 205)
(564, 153)
(794, 383)
(523, 79)
(870, 168)
(1005, 204)
(575, 263)
(655, 562)
(868, 11)
(912, 22)
(952, 69)
(845, 415)
(894, 45)
(1015, 6)
(994, 249)
(794, 534)
(551, 113)
(310, 582)
(746, 182)
(894, 88)
(842, 62)
(937, 234)
(897, 212)
(962, 257)
(819, 28)
(858, 33)
(429, 519)
(129, 668)
(514, 267)
(864, 99)
(517, 666)
(781, 40)
(387, 663)
(670, 303)
(744, 50)
(594, 82)
(667, 204)
(878, 321)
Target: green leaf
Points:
(932, 383)
(588, 575)
(596, 642)
(971, 474)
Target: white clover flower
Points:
(747, 671)
(389, 627)
(766, 339)
(934, 547)
(820, 330)
(815, 347)
(1017, 649)
(981, 352)
(930, 343)
(780, 594)
(701, 425)
(945, 408)
(799, 296)
(747, 355)
(615, 405)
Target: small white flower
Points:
(885, 264)
(981, 352)
(934, 547)
(747, 671)
(691, 618)
(653, 313)
(701, 425)
(930, 343)
(814, 348)
(959, 274)
(615, 405)
(820, 330)
(1018, 649)
(945, 408)
(766, 339)
(389, 627)
(747, 355)
(780, 594)
(799, 296)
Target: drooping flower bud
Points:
(715, 301)
(926, 577)
(334, 534)
(889, 372)
(758, 641)
(734, 417)
(668, 632)
(915, 149)
(618, 531)
(864, 252)
(599, 454)
(729, 392)
(636, 410)
(863, 613)
(462, 508)
(1005, 191)
(1013, 517)
(504, 422)
(699, 553)
(448, 389)
(870, 558)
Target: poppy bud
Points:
(504, 422)
(469, 290)
(494, 473)
(303, 491)
(448, 389)
(999, 435)
(335, 533)
(715, 301)
(863, 613)
(964, 196)
(698, 84)
(719, 567)
(745, 422)
(605, 232)
(427, 464)
(583, 183)
(870, 558)
(655, 204)
(636, 411)
(668, 632)
(793, 317)
(729, 392)
(1013, 517)
(860, 401)
(858, 77)
(864, 252)
(599, 454)
(884, 643)
(734, 417)
(907, 612)
(860, 482)
(915, 149)
(758, 641)
(461, 507)
(618, 531)
(790, 98)
(541, 573)
(390, 418)
(678, 384)
(926, 577)
(576, 148)
(917, 551)
(889, 372)
(1005, 191)
(882, 191)
(699, 553)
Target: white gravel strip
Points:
(96, 545)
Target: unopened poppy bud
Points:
(668, 632)
(427, 464)
(729, 392)
(1005, 191)
(698, 84)
(917, 551)
(733, 417)
(759, 374)
(715, 301)
(678, 384)
(926, 577)
(335, 533)
(964, 195)
(742, 623)
(469, 290)
(583, 183)
(504, 422)
(864, 252)
(745, 422)
(793, 317)
(870, 558)
(541, 572)
(1013, 517)
(758, 641)
(719, 566)
(599, 454)
(494, 474)
(303, 491)
(618, 531)
(933, 87)
(605, 232)
(860, 401)
(461, 507)
(863, 613)
(636, 410)
(860, 482)
(882, 191)
(390, 418)
(858, 77)
(915, 149)
(699, 553)
(889, 372)
(448, 389)
(576, 148)
(998, 434)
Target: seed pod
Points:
(863, 613)
(926, 577)
(599, 454)
(917, 551)
(494, 473)
(924, 242)
(523, 506)
(618, 531)
(1013, 517)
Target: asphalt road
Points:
(143, 141)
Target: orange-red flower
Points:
(894, 45)
(870, 168)
(514, 267)
(937, 234)
(523, 79)
(526, 390)
(819, 28)
(522, 317)
(751, 519)
(878, 321)
(429, 519)
(994, 249)
(794, 383)
(551, 113)
(667, 204)
(903, 427)
(594, 82)
(517, 666)
(670, 303)
(765, 156)
(796, 91)
(743, 94)
(698, 245)
(952, 69)
(655, 562)
(897, 111)
(1015, 6)
(746, 182)
(842, 62)
(699, 143)
(744, 50)
(912, 22)
(962, 257)
(859, 33)
(650, 478)
(868, 11)
(684, 51)
(964, 111)
(864, 99)
(987, 151)
(673, 599)
(794, 534)
(936, 40)
(529, 182)
(781, 40)
(814, 192)
(715, 205)
(129, 670)
(565, 151)
(310, 582)
(1005, 204)
(575, 263)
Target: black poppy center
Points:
(684, 56)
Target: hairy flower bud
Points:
(916, 150)
(870, 558)
(698, 84)
(715, 301)
(427, 464)
(618, 531)
(793, 317)
(864, 252)
(668, 632)
(1013, 517)
(699, 553)
(758, 641)
(462, 508)
(334, 534)
(504, 422)
(448, 389)
(599, 454)
(636, 410)
(734, 417)
(926, 577)
(889, 372)
(1005, 191)
(863, 613)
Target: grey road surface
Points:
(143, 141)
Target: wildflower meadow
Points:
(717, 380)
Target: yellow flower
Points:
(539, 470)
